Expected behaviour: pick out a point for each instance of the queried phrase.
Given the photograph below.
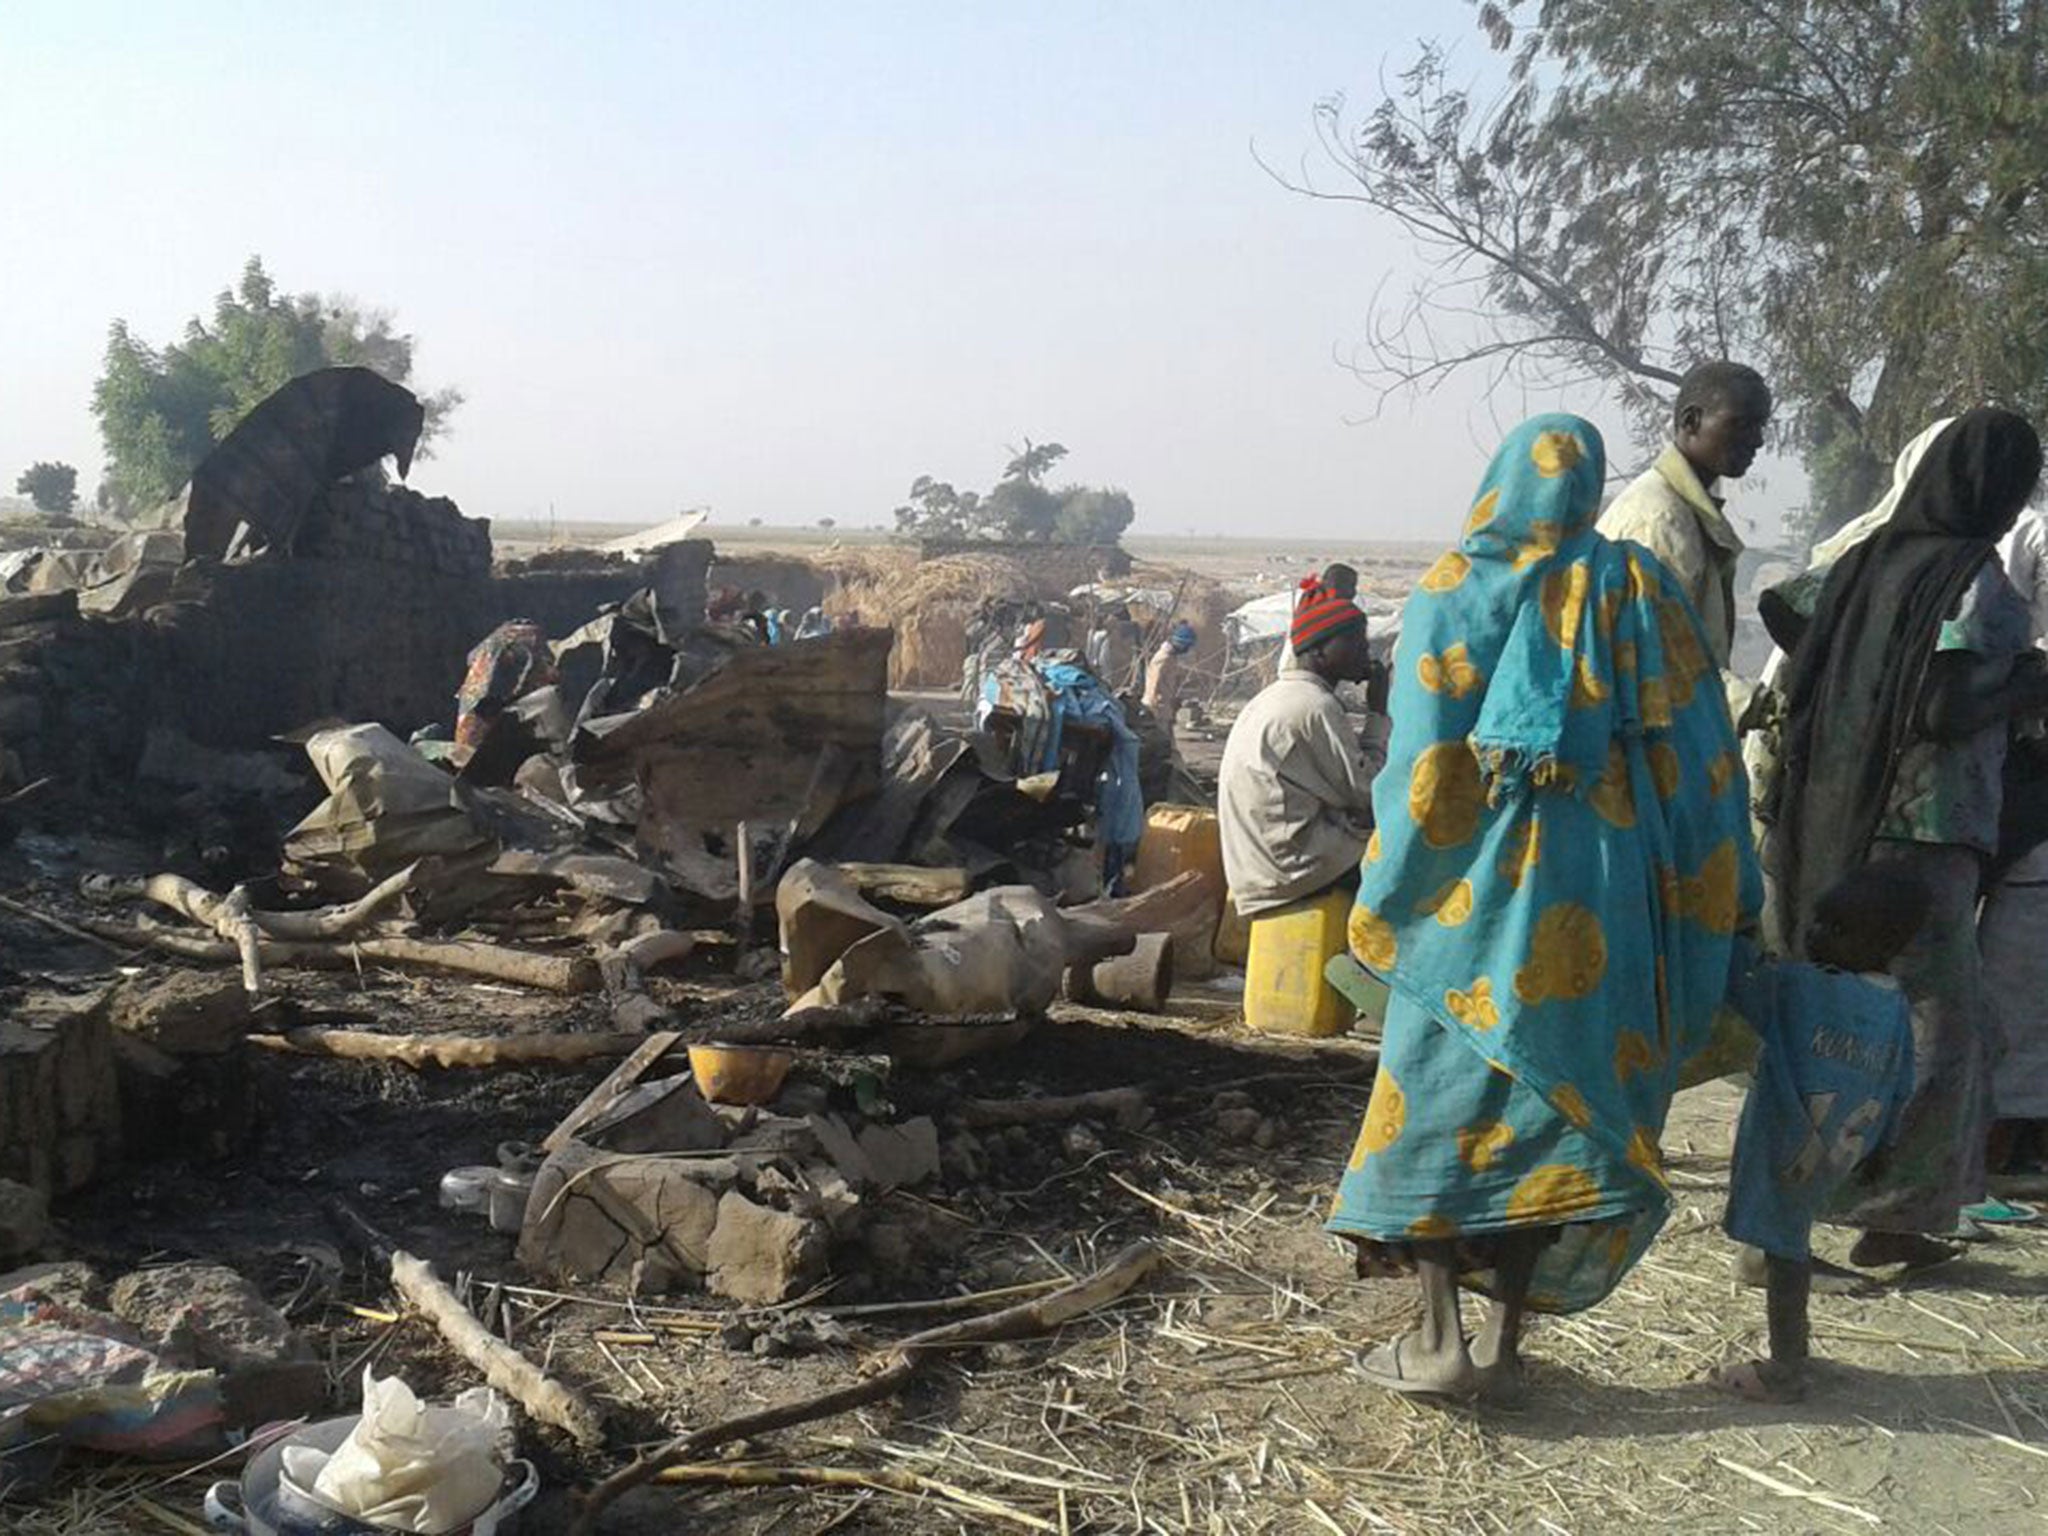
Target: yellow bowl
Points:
(739, 1074)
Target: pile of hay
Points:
(927, 603)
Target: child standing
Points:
(1835, 1071)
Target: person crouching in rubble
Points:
(1295, 794)
(1560, 863)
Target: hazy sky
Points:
(776, 258)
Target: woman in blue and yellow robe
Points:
(1562, 860)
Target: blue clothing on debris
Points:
(1833, 1077)
(1042, 696)
(1119, 802)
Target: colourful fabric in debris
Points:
(82, 1379)
(1040, 699)
(1013, 688)
(1561, 861)
(508, 663)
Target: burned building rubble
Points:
(349, 744)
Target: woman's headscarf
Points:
(1787, 607)
(1857, 529)
(1562, 854)
(1853, 686)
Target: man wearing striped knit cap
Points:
(1295, 795)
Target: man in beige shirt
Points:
(1294, 799)
(1671, 509)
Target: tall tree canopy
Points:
(1852, 196)
(161, 410)
(49, 487)
(1020, 506)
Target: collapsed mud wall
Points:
(371, 619)
(274, 646)
(246, 653)
(787, 581)
(72, 701)
(562, 594)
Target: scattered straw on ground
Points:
(1219, 1399)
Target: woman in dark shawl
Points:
(1899, 696)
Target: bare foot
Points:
(1500, 1376)
(1762, 1381)
(1404, 1366)
(1881, 1250)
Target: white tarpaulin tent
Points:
(1108, 593)
(1266, 619)
(645, 542)
(1263, 618)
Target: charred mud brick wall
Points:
(251, 652)
(270, 647)
(395, 526)
(371, 617)
(72, 704)
(563, 591)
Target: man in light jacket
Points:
(1717, 429)
(1295, 795)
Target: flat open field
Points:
(1249, 563)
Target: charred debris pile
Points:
(332, 741)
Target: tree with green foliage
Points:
(50, 487)
(1092, 515)
(937, 511)
(1020, 507)
(161, 410)
(1852, 197)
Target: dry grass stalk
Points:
(1042, 1315)
(1785, 1490)
(910, 1484)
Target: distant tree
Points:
(1092, 515)
(1852, 196)
(1020, 507)
(1022, 511)
(828, 523)
(51, 487)
(1033, 462)
(161, 410)
(937, 511)
(753, 522)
